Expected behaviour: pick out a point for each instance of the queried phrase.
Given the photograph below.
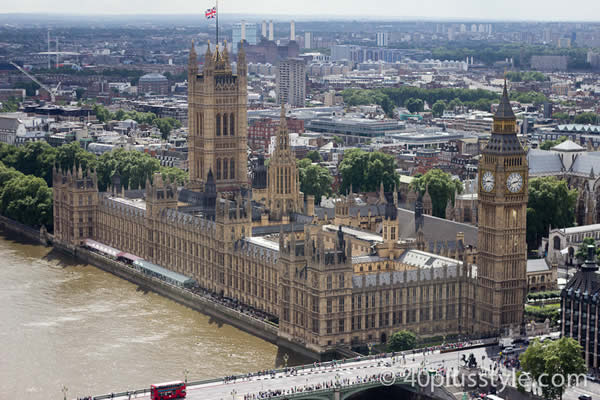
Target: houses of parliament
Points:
(334, 278)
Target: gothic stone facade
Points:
(328, 285)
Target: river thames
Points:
(67, 323)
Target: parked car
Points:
(585, 397)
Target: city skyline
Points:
(578, 10)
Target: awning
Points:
(111, 251)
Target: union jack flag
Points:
(211, 13)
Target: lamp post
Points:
(233, 393)
(285, 359)
(185, 373)
(64, 390)
(370, 346)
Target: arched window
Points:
(231, 125)
(225, 125)
(218, 125)
(556, 243)
(225, 168)
(218, 168)
(232, 169)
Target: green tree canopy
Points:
(551, 202)
(166, 125)
(441, 189)
(586, 118)
(402, 340)
(561, 116)
(174, 175)
(314, 179)
(72, 154)
(438, 108)
(314, 156)
(543, 361)
(414, 105)
(526, 76)
(25, 198)
(582, 250)
(548, 144)
(364, 171)
(133, 167)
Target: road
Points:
(351, 371)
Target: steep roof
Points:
(505, 110)
(543, 162)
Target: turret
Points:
(192, 63)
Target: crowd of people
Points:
(271, 394)
(234, 304)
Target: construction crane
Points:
(50, 90)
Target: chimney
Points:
(292, 31)
(264, 29)
(271, 33)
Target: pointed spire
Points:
(193, 60)
(504, 108)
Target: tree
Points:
(314, 156)
(551, 202)
(133, 167)
(72, 154)
(79, 93)
(588, 118)
(547, 362)
(314, 179)
(365, 171)
(174, 174)
(36, 158)
(582, 251)
(27, 199)
(438, 108)
(455, 104)
(402, 340)
(166, 125)
(548, 144)
(338, 140)
(441, 188)
(561, 116)
(102, 114)
(414, 105)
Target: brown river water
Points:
(67, 323)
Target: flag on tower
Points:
(211, 13)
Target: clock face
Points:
(514, 183)
(487, 181)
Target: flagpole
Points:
(217, 8)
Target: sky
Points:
(555, 10)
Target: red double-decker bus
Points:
(168, 390)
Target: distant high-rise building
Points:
(243, 31)
(271, 32)
(307, 40)
(291, 82)
(474, 28)
(264, 29)
(383, 39)
(292, 30)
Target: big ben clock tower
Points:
(501, 242)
